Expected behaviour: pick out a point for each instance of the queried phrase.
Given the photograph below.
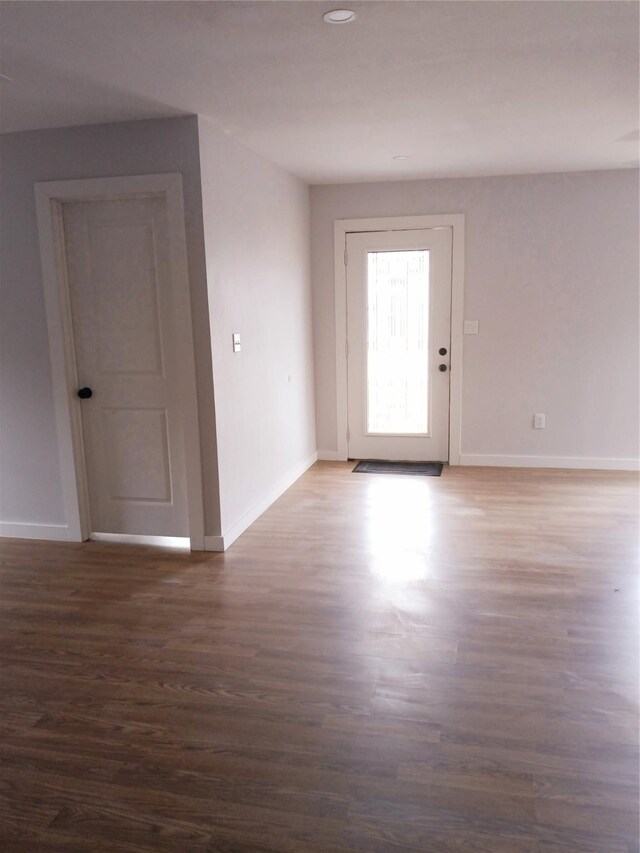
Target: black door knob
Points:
(85, 393)
(442, 351)
(442, 368)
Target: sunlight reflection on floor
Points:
(400, 528)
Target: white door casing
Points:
(116, 288)
(399, 299)
(342, 227)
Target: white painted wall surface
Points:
(552, 277)
(30, 490)
(256, 219)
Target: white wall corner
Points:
(229, 536)
(27, 530)
(576, 462)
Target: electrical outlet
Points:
(538, 421)
(236, 342)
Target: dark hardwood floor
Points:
(380, 663)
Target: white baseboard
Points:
(579, 462)
(328, 456)
(143, 539)
(26, 530)
(214, 543)
(229, 536)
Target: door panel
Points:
(139, 453)
(128, 320)
(398, 318)
(119, 275)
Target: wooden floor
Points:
(380, 663)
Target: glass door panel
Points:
(397, 307)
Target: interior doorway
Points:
(118, 309)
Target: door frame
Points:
(342, 227)
(50, 196)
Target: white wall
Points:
(30, 487)
(256, 219)
(552, 277)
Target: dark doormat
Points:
(419, 469)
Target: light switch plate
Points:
(236, 342)
(470, 327)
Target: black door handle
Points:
(442, 351)
(85, 393)
(442, 368)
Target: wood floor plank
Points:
(380, 663)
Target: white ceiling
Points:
(463, 88)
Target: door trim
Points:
(342, 227)
(50, 196)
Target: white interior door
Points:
(120, 290)
(398, 344)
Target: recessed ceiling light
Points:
(401, 157)
(339, 16)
